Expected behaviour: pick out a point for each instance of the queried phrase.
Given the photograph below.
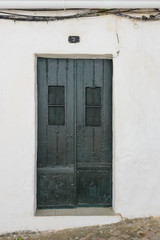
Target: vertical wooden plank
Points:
(42, 110)
(98, 72)
(70, 112)
(52, 71)
(108, 111)
(61, 136)
(89, 132)
(53, 131)
(98, 140)
(51, 151)
(80, 102)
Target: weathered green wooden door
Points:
(74, 133)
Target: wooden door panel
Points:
(94, 132)
(94, 187)
(94, 143)
(56, 133)
(55, 189)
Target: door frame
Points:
(71, 56)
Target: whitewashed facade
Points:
(136, 114)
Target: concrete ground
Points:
(144, 228)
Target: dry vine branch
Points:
(126, 13)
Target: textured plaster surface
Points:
(136, 115)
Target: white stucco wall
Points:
(136, 114)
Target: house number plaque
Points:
(73, 39)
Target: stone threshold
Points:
(81, 211)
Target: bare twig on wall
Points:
(135, 14)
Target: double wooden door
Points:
(74, 159)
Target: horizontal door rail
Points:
(57, 169)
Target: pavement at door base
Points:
(141, 228)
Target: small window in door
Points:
(93, 106)
(56, 105)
